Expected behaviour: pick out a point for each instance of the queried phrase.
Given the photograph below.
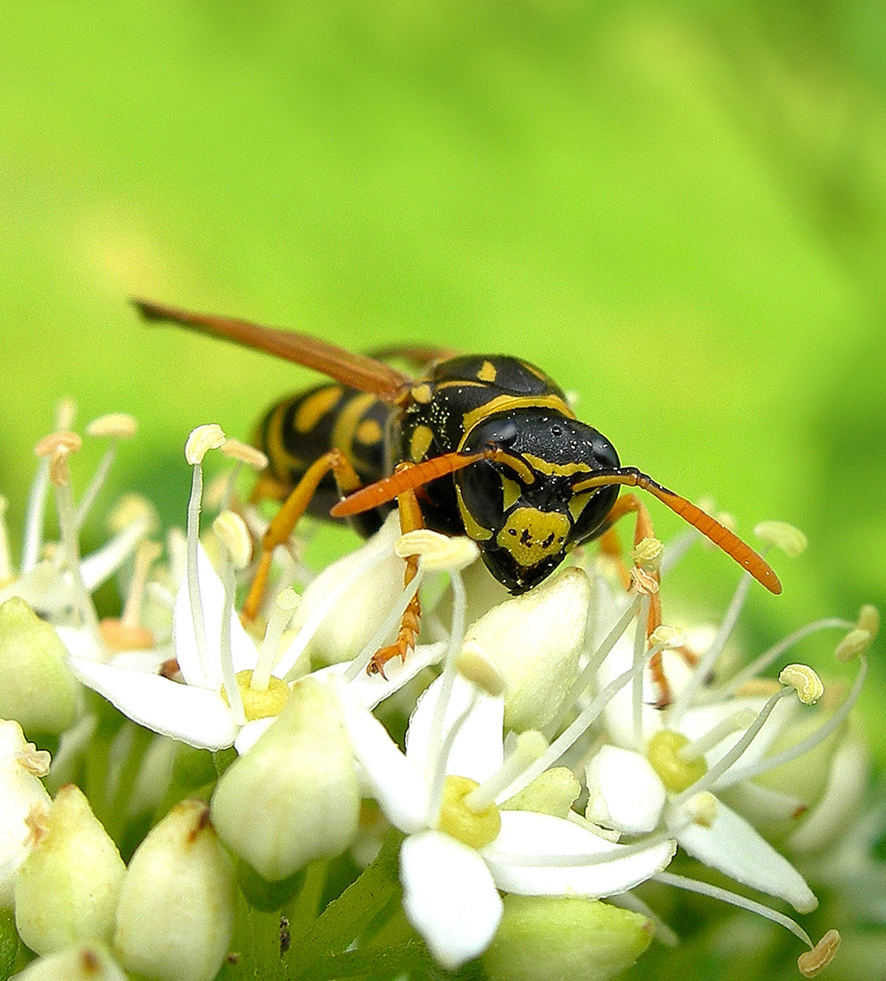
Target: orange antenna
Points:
(722, 537)
(407, 478)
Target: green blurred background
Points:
(677, 208)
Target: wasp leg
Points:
(410, 520)
(285, 520)
(631, 504)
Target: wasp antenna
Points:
(408, 478)
(722, 537)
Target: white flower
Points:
(460, 848)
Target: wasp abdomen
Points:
(300, 429)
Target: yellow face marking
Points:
(577, 504)
(422, 392)
(487, 372)
(369, 432)
(314, 407)
(473, 529)
(502, 403)
(419, 442)
(531, 535)
(511, 492)
(349, 418)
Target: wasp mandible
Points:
(487, 444)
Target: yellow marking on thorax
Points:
(369, 432)
(271, 436)
(348, 420)
(423, 392)
(531, 535)
(502, 403)
(314, 407)
(487, 372)
(419, 443)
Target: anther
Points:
(478, 667)
(437, 551)
(806, 682)
(789, 539)
(65, 440)
(244, 453)
(118, 425)
(232, 532)
(813, 961)
(647, 554)
(201, 440)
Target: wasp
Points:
(484, 445)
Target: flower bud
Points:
(543, 937)
(36, 687)
(535, 641)
(21, 792)
(359, 612)
(176, 912)
(67, 888)
(292, 797)
(92, 963)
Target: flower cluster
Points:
(500, 796)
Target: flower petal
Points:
(624, 791)
(731, 845)
(476, 750)
(399, 787)
(523, 858)
(449, 897)
(194, 715)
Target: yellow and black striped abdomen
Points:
(300, 429)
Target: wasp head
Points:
(521, 507)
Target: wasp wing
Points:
(356, 370)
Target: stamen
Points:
(751, 770)
(242, 454)
(527, 748)
(32, 540)
(726, 761)
(35, 761)
(698, 747)
(647, 554)
(589, 671)
(759, 664)
(126, 633)
(6, 573)
(436, 764)
(705, 665)
(230, 534)
(201, 440)
(639, 660)
(115, 426)
(59, 445)
(286, 602)
(726, 896)
(582, 722)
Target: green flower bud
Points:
(36, 686)
(564, 938)
(66, 890)
(176, 911)
(294, 796)
(535, 641)
(551, 792)
(74, 964)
